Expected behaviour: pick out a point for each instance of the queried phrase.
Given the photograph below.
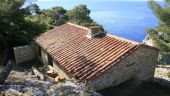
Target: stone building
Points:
(94, 58)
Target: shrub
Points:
(1, 69)
(168, 74)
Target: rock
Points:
(49, 72)
(69, 83)
(56, 80)
(2, 94)
(60, 94)
(38, 73)
(95, 94)
(52, 73)
(50, 68)
(61, 78)
(12, 92)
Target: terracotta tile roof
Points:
(83, 57)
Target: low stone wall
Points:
(25, 53)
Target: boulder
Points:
(61, 78)
(38, 73)
(50, 68)
(52, 73)
(12, 92)
(56, 80)
(49, 72)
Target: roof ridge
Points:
(76, 25)
(121, 38)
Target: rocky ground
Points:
(161, 75)
(23, 82)
(162, 71)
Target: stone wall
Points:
(61, 71)
(140, 65)
(57, 68)
(25, 53)
(44, 57)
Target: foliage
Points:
(161, 34)
(168, 74)
(19, 25)
(81, 15)
(34, 9)
(11, 19)
(57, 13)
(1, 69)
(53, 11)
(38, 24)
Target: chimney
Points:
(93, 31)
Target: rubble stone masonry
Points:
(24, 53)
(140, 65)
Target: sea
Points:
(127, 19)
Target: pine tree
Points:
(161, 34)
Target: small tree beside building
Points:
(161, 34)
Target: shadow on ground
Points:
(28, 65)
(144, 89)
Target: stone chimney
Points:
(93, 31)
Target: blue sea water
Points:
(127, 19)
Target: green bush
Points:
(168, 74)
(1, 69)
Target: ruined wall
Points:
(25, 53)
(141, 65)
